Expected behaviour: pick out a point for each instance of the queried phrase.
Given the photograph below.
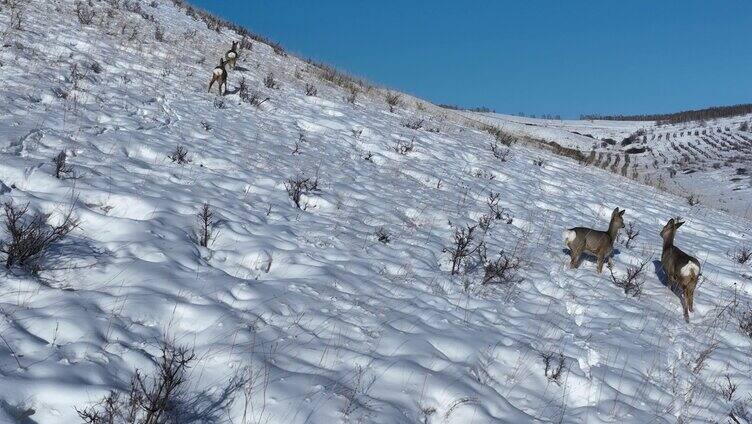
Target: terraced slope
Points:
(707, 160)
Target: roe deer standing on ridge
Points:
(232, 55)
(598, 243)
(679, 267)
(219, 74)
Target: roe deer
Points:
(232, 55)
(598, 243)
(219, 74)
(679, 267)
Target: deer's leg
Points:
(600, 264)
(690, 293)
(671, 280)
(684, 307)
(210, 84)
(574, 254)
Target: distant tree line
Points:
(481, 109)
(484, 109)
(678, 117)
(544, 116)
(547, 116)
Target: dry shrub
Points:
(159, 33)
(742, 255)
(270, 82)
(246, 43)
(254, 97)
(84, 13)
(383, 235)
(633, 280)
(206, 224)
(404, 147)
(393, 100)
(502, 270)
(149, 400)
(297, 187)
(310, 90)
(745, 322)
(551, 371)
(352, 95)
(464, 238)
(631, 232)
(179, 155)
(496, 211)
(31, 236)
(62, 168)
(501, 153)
(415, 124)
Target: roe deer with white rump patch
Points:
(679, 267)
(232, 55)
(598, 243)
(219, 74)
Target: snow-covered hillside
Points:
(709, 160)
(345, 309)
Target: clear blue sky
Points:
(532, 56)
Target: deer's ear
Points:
(622, 212)
(678, 224)
(615, 212)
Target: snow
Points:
(333, 325)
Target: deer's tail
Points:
(569, 236)
(691, 270)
